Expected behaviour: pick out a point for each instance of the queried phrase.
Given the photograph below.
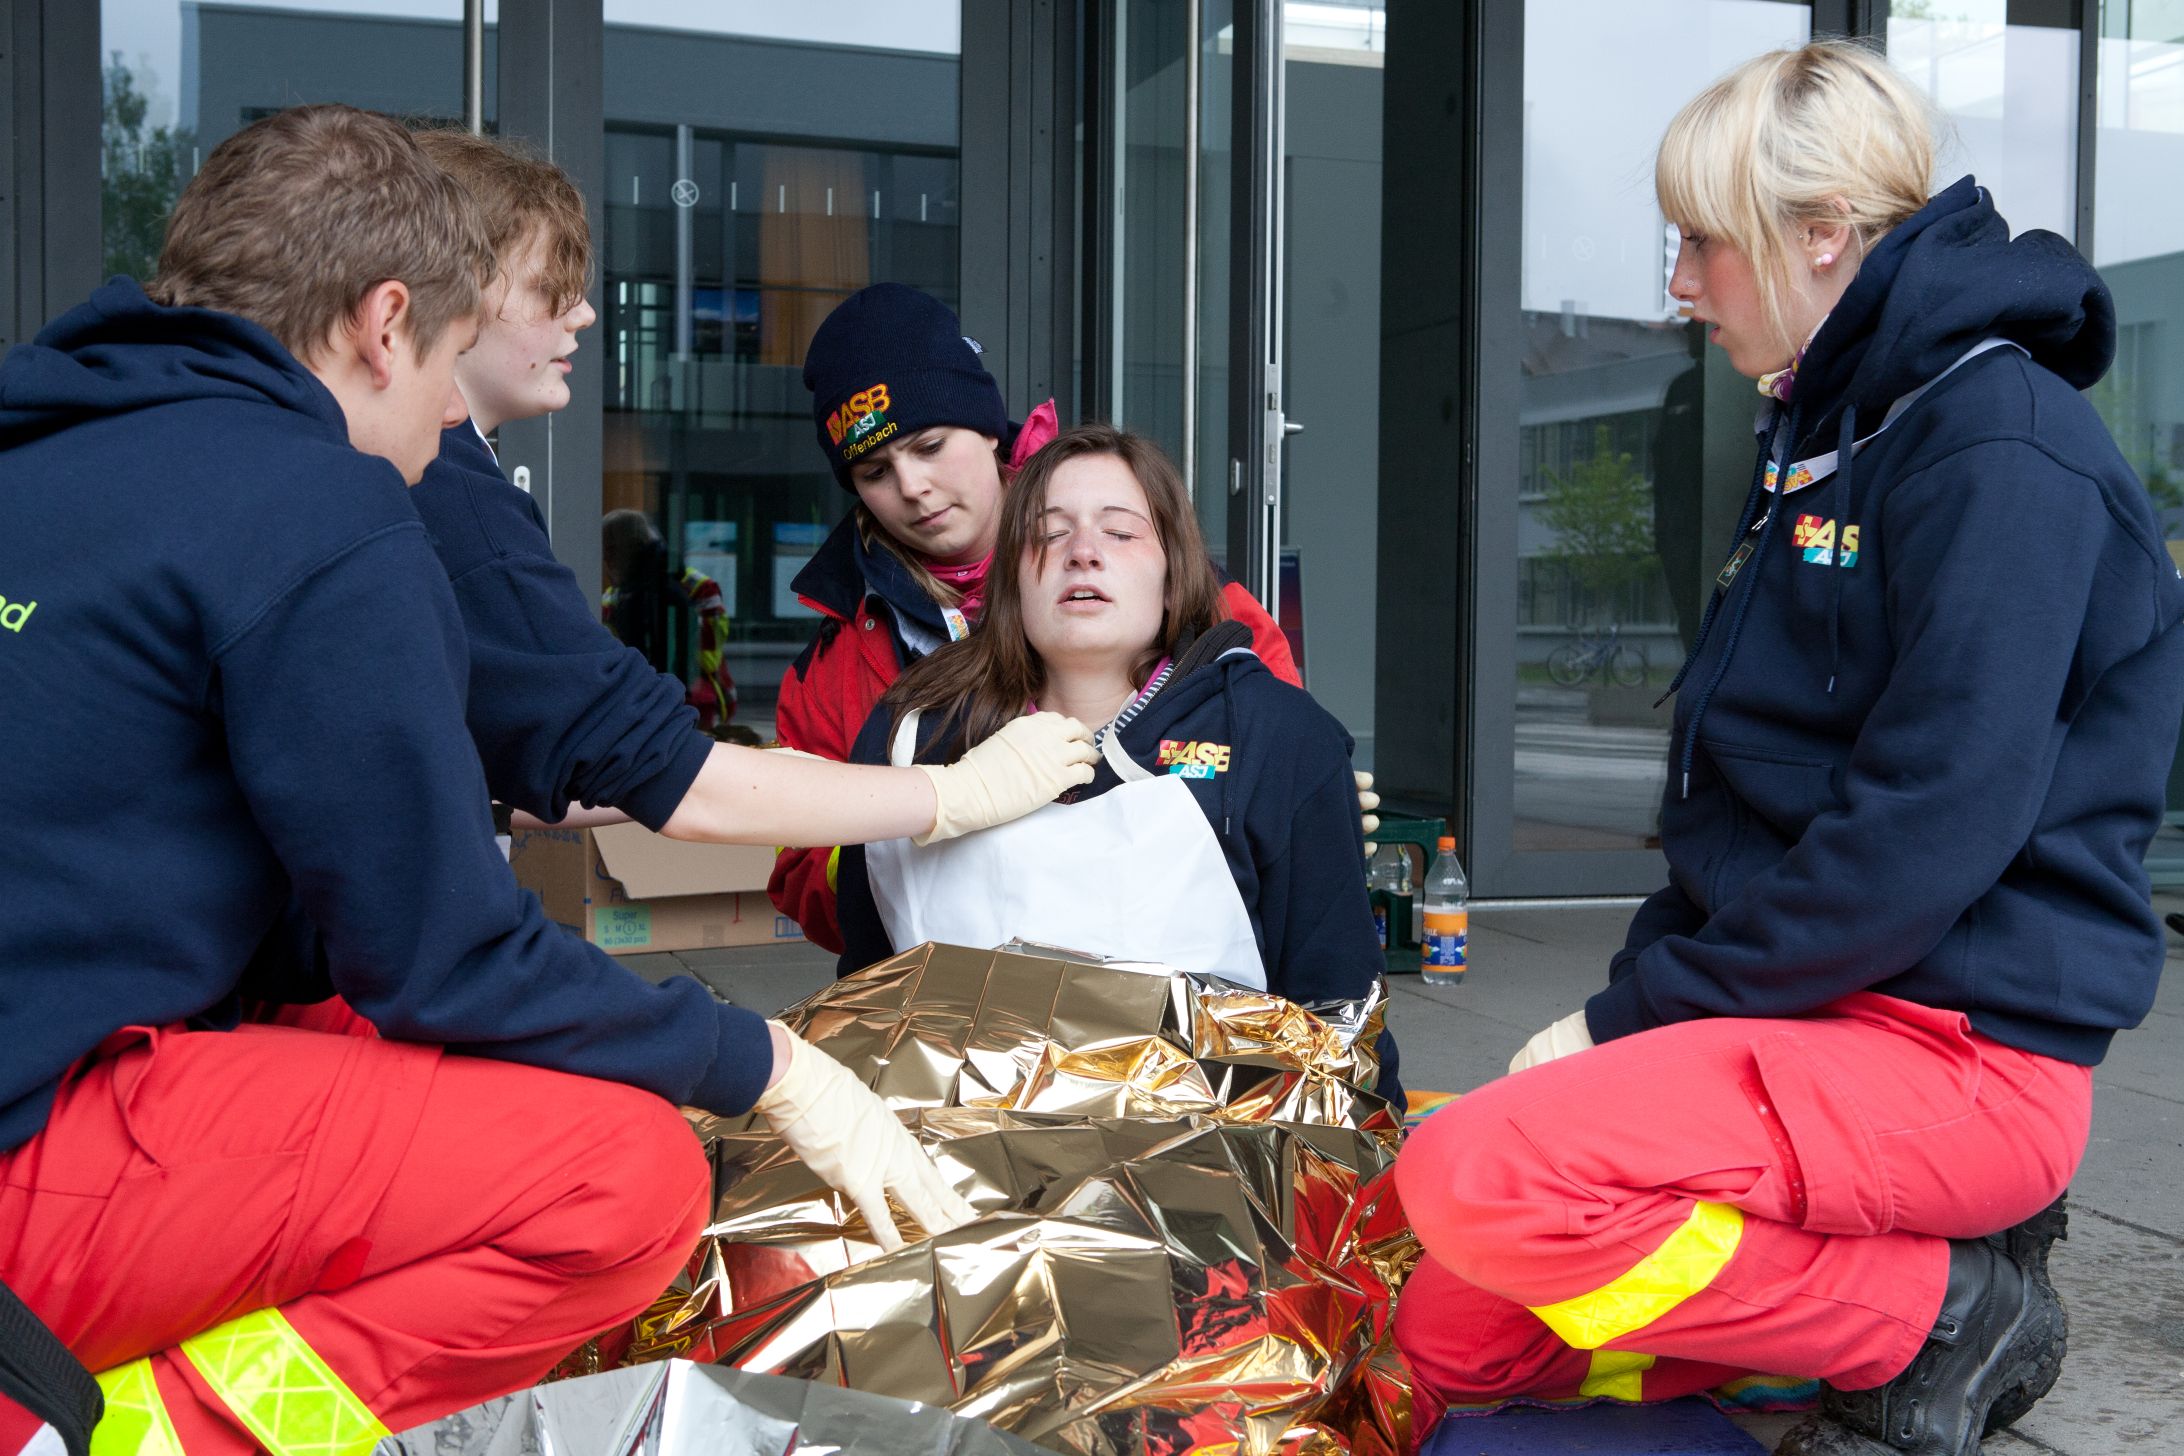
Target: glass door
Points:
(1193, 259)
(761, 166)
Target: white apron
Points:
(1135, 874)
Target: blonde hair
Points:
(522, 196)
(1828, 133)
(296, 217)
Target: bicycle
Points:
(1605, 653)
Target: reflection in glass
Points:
(1152, 246)
(180, 78)
(2138, 244)
(2010, 93)
(1332, 266)
(1635, 444)
(760, 168)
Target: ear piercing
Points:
(1823, 260)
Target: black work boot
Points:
(1998, 1329)
(2028, 1244)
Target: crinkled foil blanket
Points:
(1188, 1240)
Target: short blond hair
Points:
(1828, 133)
(522, 196)
(298, 216)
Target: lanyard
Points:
(1815, 468)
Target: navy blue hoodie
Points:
(1928, 762)
(561, 712)
(1284, 811)
(238, 672)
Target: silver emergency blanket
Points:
(679, 1409)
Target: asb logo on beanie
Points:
(861, 422)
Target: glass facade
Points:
(1627, 422)
(2010, 97)
(1492, 400)
(2138, 244)
(737, 216)
(180, 78)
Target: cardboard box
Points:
(627, 890)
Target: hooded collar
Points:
(119, 352)
(844, 571)
(1946, 278)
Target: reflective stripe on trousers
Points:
(1684, 1264)
(265, 1373)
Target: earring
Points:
(1823, 260)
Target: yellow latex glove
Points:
(1021, 768)
(1568, 1035)
(848, 1136)
(1367, 801)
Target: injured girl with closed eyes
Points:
(1220, 833)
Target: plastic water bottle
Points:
(1444, 949)
(1389, 883)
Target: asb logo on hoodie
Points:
(1192, 759)
(1816, 538)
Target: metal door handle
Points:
(1291, 427)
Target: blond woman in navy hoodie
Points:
(1819, 1122)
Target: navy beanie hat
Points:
(888, 362)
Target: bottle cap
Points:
(1446, 841)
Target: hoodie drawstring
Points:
(1228, 706)
(1785, 435)
(1841, 500)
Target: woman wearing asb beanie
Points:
(1843, 1069)
(913, 424)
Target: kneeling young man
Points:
(233, 674)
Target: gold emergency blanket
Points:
(1189, 1238)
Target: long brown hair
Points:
(984, 681)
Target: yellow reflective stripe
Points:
(136, 1421)
(1617, 1374)
(834, 867)
(279, 1387)
(1686, 1263)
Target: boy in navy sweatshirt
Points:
(231, 684)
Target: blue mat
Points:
(1674, 1428)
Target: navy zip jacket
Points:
(231, 668)
(1284, 811)
(1928, 761)
(561, 712)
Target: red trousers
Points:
(1670, 1210)
(429, 1230)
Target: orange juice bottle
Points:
(1445, 949)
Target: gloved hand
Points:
(1367, 801)
(1019, 769)
(1570, 1034)
(848, 1136)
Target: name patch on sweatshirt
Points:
(1816, 538)
(1192, 759)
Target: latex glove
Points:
(848, 1136)
(1021, 768)
(1570, 1034)
(1367, 801)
